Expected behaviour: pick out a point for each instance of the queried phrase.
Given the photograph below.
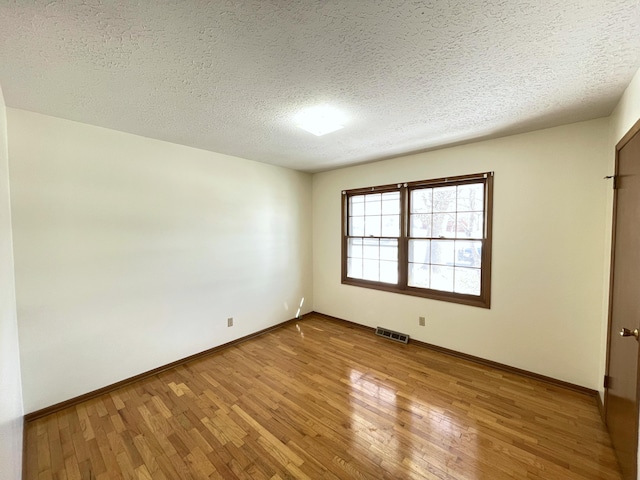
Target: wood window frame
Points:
(484, 299)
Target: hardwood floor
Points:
(322, 399)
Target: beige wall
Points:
(548, 252)
(131, 253)
(10, 388)
(627, 112)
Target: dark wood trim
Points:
(403, 241)
(631, 133)
(344, 240)
(458, 180)
(402, 287)
(601, 409)
(109, 388)
(24, 448)
(341, 320)
(612, 256)
(87, 396)
(460, 298)
(485, 287)
(507, 368)
(478, 360)
(392, 187)
(623, 141)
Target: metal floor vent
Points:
(391, 335)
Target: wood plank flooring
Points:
(325, 400)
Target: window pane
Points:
(371, 248)
(471, 198)
(444, 225)
(419, 275)
(354, 248)
(370, 270)
(372, 226)
(391, 203)
(444, 199)
(356, 226)
(356, 205)
(442, 278)
(419, 251)
(421, 200)
(468, 254)
(469, 225)
(372, 205)
(354, 267)
(467, 281)
(388, 272)
(421, 225)
(389, 250)
(442, 252)
(439, 226)
(390, 226)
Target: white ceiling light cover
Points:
(320, 120)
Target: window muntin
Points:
(429, 238)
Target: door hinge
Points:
(607, 381)
(614, 179)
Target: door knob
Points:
(625, 332)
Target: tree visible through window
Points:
(430, 238)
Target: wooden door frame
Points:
(635, 129)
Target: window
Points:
(430, 238)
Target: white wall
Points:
(627, 112)
(548, 252)
(10, 388)
(131, 253)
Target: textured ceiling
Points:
(229, 76)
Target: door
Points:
(624, 306)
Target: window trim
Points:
(483, 300)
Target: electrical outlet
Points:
(230, 322)
(421, 321)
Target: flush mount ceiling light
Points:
(320, 120)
